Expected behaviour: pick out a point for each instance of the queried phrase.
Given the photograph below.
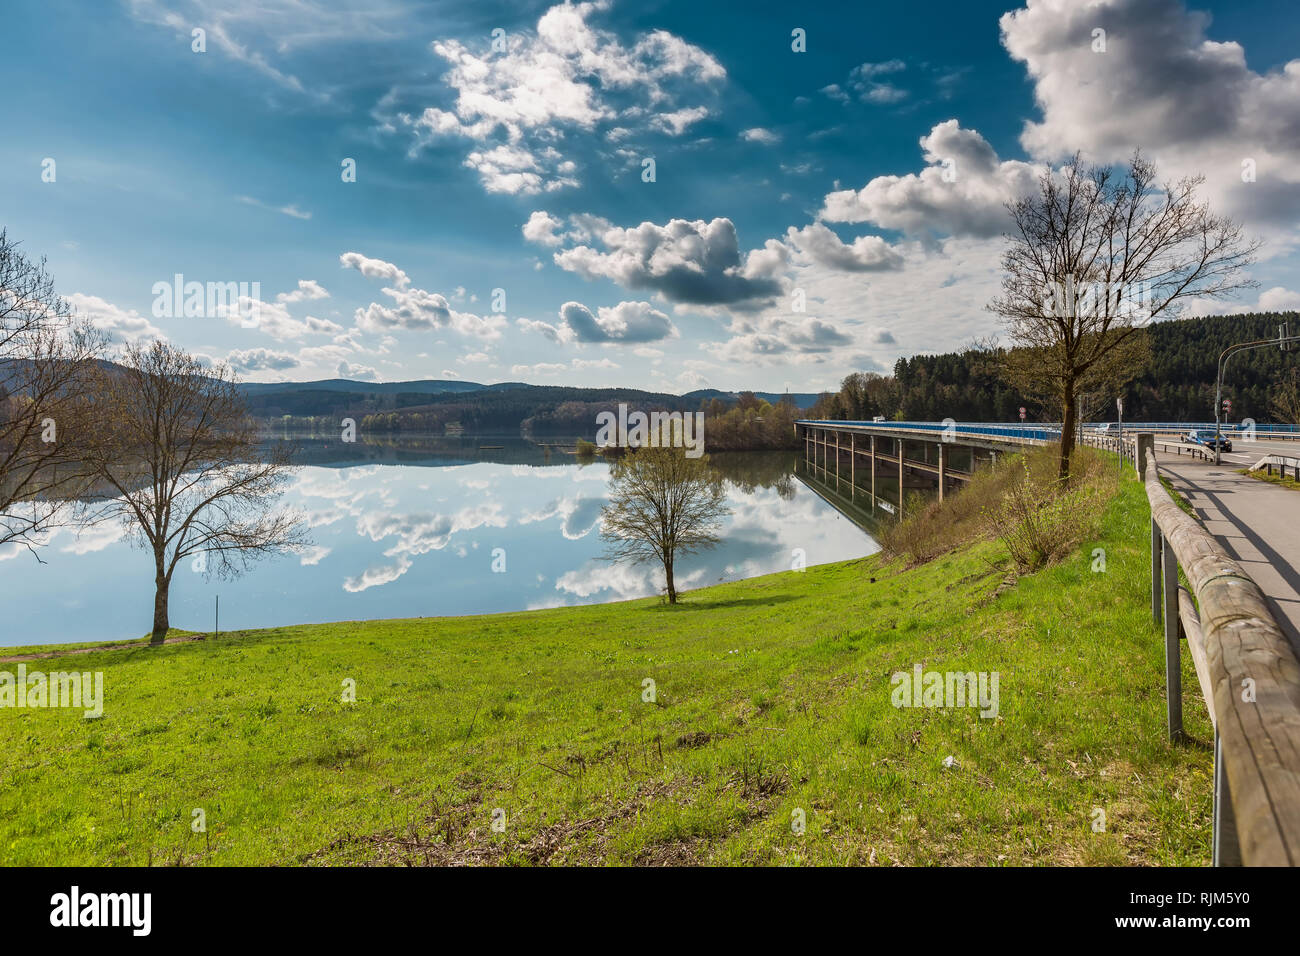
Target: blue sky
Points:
(781, 177)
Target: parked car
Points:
(1206, 440)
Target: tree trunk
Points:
(1068, 425)
(162, 584)
(668, 574)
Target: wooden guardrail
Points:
(1249, 677)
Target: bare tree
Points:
(46, 354)
(661, 505)
(1094, 257)
(183, 466)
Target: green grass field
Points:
(773, 699)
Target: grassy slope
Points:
(773, 694)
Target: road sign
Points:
(1119, 404)
(1022, 413)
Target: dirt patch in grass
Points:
(456, 835)
(675, 853)
(698, 738)
(460, 833)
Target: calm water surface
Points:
(409, 530)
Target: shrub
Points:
(1039, 521)
(1018, 501)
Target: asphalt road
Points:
(1244, 453)
(1258, 523)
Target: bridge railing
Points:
(1248, 675)
(1051, 431)
(1023, 432)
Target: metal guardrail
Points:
(1193, 451)
(1248, 675)
(1271, 431)
(1281, 463)
(1126, 447)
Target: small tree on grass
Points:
(183, 466)
(1093, 257)
(662, 505)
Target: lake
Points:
(414, 528)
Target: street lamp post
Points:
(1283, 341)
(1119, 407)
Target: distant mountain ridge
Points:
(326, 396)
(420, 387)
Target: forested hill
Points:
(493, 409)
(1178, 384)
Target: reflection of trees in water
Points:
(751, 470)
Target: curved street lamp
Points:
(1282, 341)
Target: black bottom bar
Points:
(336, 906)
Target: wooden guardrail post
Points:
(1173, 660)
(1145, 452)
(1157, 584)
(1225, 848)
(1145, 449)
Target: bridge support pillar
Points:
(873, 472)
(900, 477)
(837, 461)
(943, 467)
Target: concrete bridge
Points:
(883, 459)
